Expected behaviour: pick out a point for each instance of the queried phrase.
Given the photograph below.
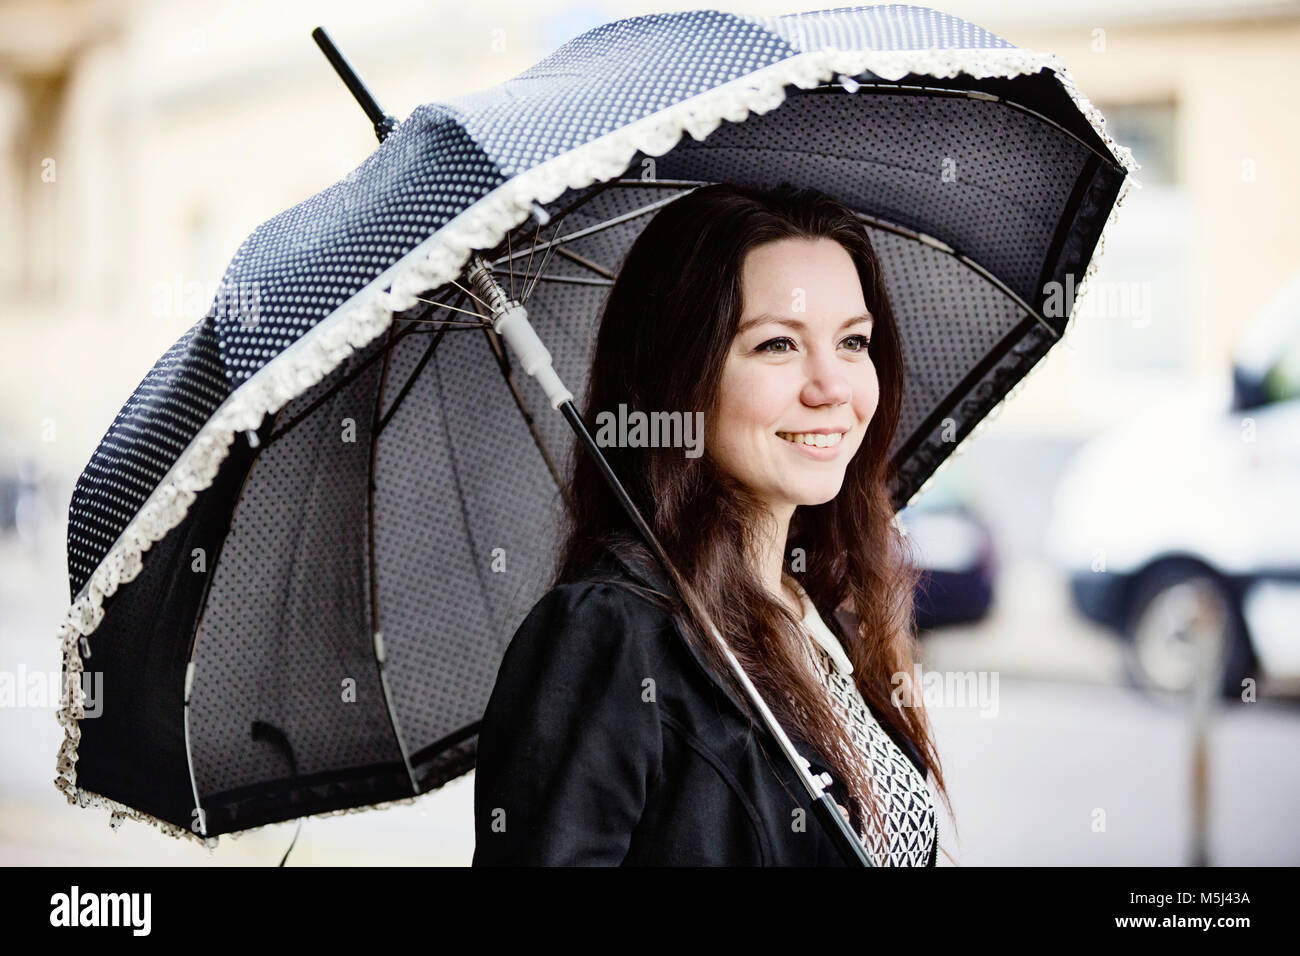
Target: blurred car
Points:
(11, 489)
(23, 488)
(1182, 529)
(954, 548)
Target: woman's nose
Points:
(827, 384)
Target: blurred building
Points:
(1199, 92)
(141, 142)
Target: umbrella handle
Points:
(385, 123)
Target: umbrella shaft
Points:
(486, 287)
(510, 321)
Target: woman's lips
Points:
(799, 441)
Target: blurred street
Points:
(1065, 739)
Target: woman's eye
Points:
(765, 347)
(856, 343)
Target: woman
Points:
(616, 734)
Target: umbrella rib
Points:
(449, 324)
(503, 362)
(662, 183)
(510, 260)
(346, 379)
(941, 246)
(452, 308)
(536, 232)
(575, 280)
(528, 288)
(411, 379)
(586, 263)
(1006, 290)
(377, 641)
(460, 497)
(915, 90)
(470, 294)
(590, 230)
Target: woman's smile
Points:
(819, 445)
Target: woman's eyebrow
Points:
(796, 323)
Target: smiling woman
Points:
(798, 385)
(607, 739)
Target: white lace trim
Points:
(440, 259)
(120, 812)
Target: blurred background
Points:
(1114, 561)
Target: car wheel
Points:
(1176, 608)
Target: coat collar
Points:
(653, 576)
(650, 574)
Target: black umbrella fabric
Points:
(297, 556)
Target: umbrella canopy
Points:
(299, 552)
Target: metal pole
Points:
(1207, 678)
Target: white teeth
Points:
(808, 438)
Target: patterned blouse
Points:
(908, 802)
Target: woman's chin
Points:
(816, 493)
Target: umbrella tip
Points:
(540, 214)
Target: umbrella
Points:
(297, 555)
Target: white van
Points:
(1184, 525)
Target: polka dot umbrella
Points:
(296, 557)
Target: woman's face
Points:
(799, 387)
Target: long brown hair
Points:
(666, 328)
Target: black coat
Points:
(607, 740)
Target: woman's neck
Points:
(770, 556)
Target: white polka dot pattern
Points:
(890, 27)
(156, 423)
